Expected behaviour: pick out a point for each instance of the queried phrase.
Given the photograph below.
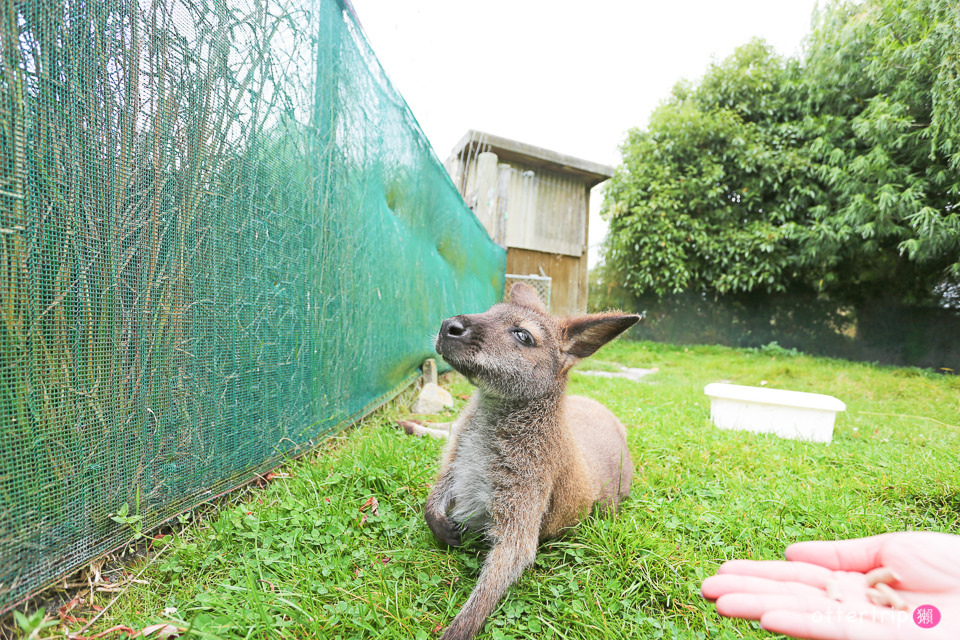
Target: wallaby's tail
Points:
(505, 562)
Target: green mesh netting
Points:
(223, 235)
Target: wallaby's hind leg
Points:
(439, 430)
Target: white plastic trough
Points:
(788, 414)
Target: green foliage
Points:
(774, 349)
(133, 521)
(309, 555)
(33, 624)
(701, 200)
(836, 174)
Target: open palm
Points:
(867, 588)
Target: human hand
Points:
(867, 588)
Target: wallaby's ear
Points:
(525, 296)
(583, 335)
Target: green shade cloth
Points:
(223, 236)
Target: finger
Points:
(716, 586)
(839, 625)
(752, 606)
(806, 573)
(857, 554)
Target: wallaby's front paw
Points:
(445, 529)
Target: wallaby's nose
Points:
(454, 328)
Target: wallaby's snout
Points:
(465, 343)
(457, 335)
(454, 328)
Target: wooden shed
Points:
(536, 204)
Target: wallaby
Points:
(523, 461)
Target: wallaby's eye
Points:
(524, 337)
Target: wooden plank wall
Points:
(568, 290)
(546, 211)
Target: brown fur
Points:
(523, 460)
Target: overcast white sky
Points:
(569, 76)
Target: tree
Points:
(838, 173)
(696, 203)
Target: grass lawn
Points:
(335, 546)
